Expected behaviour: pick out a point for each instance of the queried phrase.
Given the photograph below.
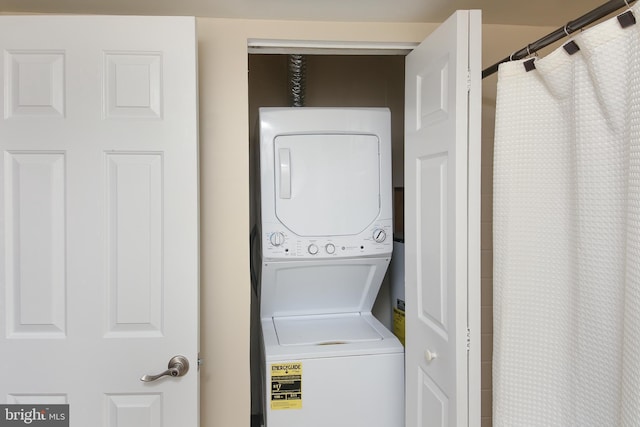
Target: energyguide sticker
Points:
(286, 385)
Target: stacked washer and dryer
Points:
(326, 240)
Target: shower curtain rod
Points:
(572, 26)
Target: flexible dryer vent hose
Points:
(297, 66)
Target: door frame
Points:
(320, 47)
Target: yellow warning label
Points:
(286, 385)
(398, 324)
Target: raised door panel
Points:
(135, 237)
(35, 244)
(34, 83)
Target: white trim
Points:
(474, 282)
(319, 47)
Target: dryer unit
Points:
(326, 242)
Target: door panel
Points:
(25, 97)
(431, 216)
(433, 407)
(134, 239)
(35, 261)
(135, 410)
(441, 221)
(99, 216)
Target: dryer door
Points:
(327, 184)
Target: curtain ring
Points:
(565, 28)
(511, 56)
(528, 51)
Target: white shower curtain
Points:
(567, 235)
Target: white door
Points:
(442, 222)
(99, 217)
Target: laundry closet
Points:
(441, 158)
(328, 81)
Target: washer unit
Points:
(326, 242)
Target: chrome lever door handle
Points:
(178, 366)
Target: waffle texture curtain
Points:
(567, 234)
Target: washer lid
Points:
(324, 330)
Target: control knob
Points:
(379, 235)
(276, 238)
(313, 249)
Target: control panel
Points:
(279, 243)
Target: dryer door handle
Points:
(285, 173)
